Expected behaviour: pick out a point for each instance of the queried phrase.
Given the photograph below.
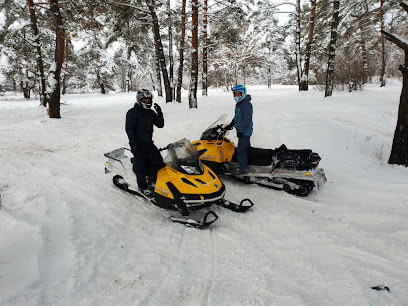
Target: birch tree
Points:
(192, 95)
(297, 43)
(181, 51)
(171, 61)
(382, 76)
(205, 49)
(332, 49)
(37, 45)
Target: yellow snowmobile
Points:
(183, 184)
(294, 171)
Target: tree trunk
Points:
(298, 58)
(40, 65)
(205, 49)
(159, 50)
(304, 82)
(26, 90)
(55, 70)
(382, 78)
(194, 56)
(270, 64)
(332, 49)
(399, 151)
(362, 25)
(158, 74)
(181, 52)
(171, 62)
(64, 84)
(100, 83)
(153, 82)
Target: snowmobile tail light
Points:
(308, 173)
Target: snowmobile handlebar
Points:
(220, 131)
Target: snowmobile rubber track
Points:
(190, 222)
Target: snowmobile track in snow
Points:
(156, 295)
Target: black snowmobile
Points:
(294, 171)
(183, 184)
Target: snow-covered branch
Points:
(404, 5)
(398, 40)
(130, 5)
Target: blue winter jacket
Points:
(139, 125)
(243, 116)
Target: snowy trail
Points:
(70, 237)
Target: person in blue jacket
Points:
(243, 125)
(140, 119)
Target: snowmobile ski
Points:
(241, 207)
(195, 223)
(185, 220)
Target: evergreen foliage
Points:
(110, 45)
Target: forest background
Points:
(108, 45)
(165, 46)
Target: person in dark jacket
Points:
(140, 119)
(243, 125)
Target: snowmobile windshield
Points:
(215, 129)
(183, 156)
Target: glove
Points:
(158, 109)
(239, 134)
(230, 126)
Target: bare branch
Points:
(404, 5)
(399, 41)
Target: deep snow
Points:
(69, 237)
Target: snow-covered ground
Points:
(69, 237)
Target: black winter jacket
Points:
(139, 125)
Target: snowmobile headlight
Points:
(191, 170)
(308, 173)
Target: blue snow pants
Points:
(242, 155)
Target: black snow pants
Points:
(147, 161)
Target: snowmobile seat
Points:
(257, 156)
(260, 157)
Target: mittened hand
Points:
(229, 127)
(239, 134)
(157, 108)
